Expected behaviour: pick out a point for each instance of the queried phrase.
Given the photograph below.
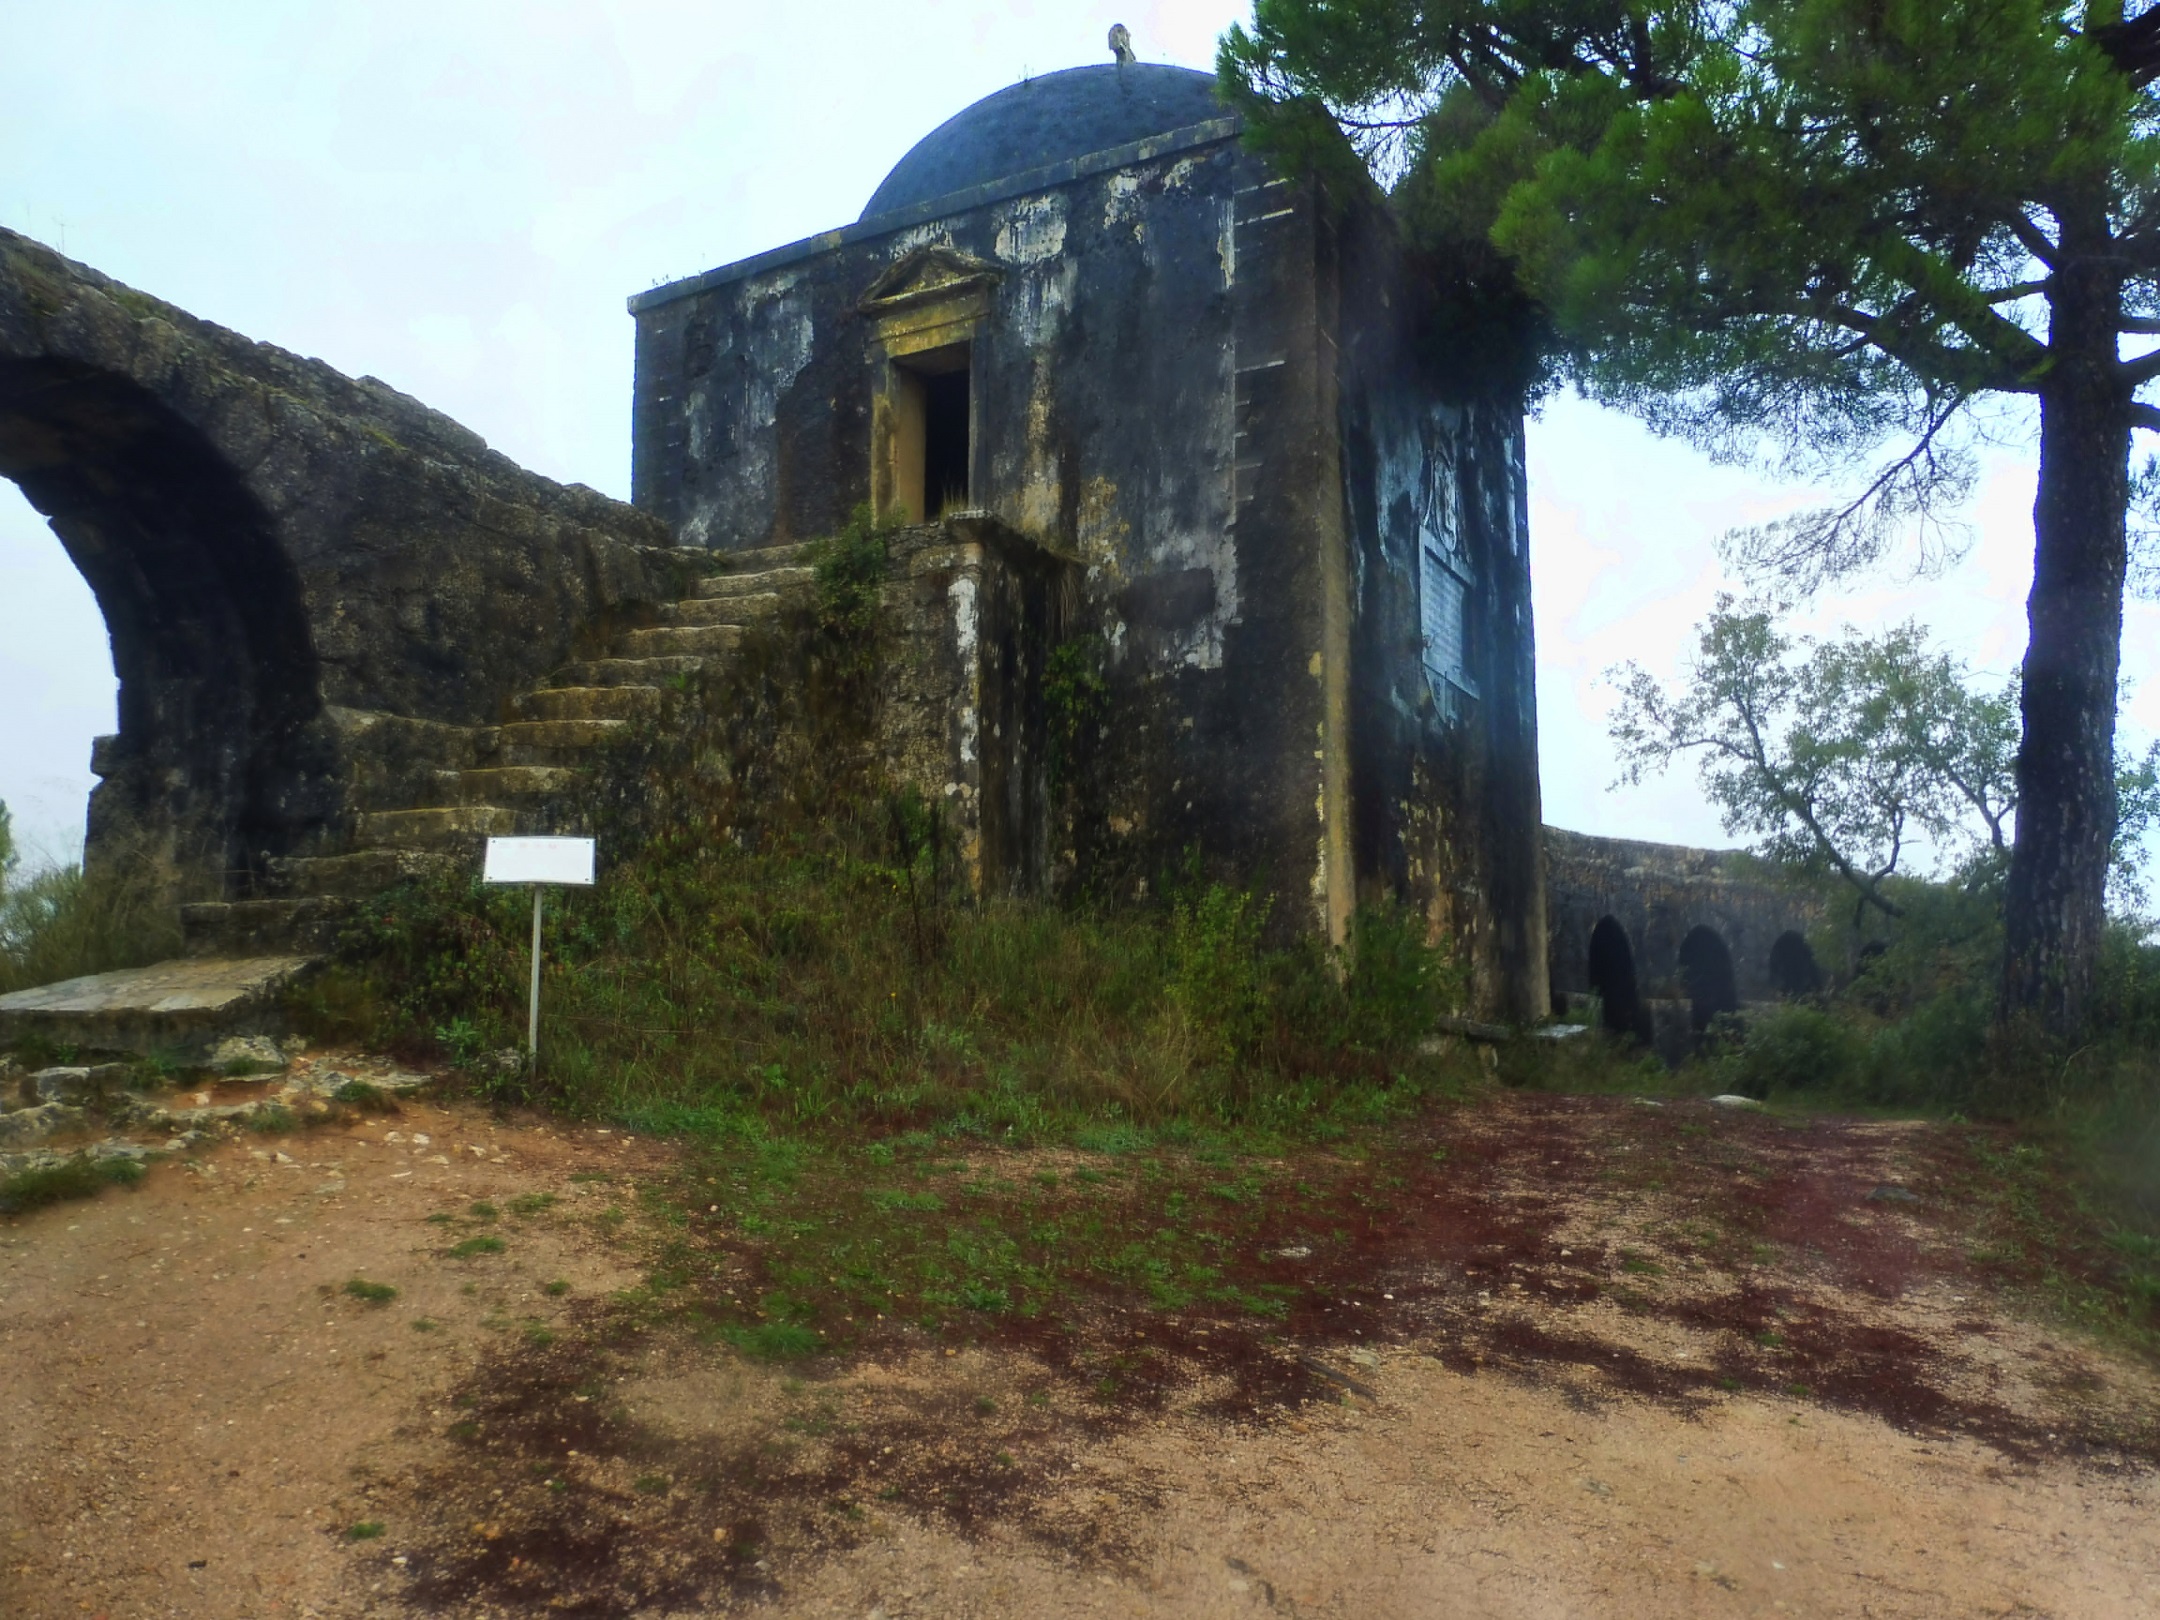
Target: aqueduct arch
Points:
(1659, 898)
(220, 758)
(305, 576)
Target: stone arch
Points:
(1793, 969)
(210, 771)
(1706, 969)
(1612, 976)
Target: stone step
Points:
(682, 640)
(759, 558)
(510, 784)
(627, 671)
(355, 876)
(557, 734)
(446, 827)
(307, 923)
(619, 702)
(772, 580)
(721, 609)
(181, 1007)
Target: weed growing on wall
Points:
(849, 571)
(1076, 700)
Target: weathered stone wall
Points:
(974, 610)
(1659, 893)
(280, 552)
(1445, 782)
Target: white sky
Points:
(457, 197)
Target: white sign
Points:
(539, 860)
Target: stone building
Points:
(1086, 315)
(1216, 555)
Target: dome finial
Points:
(1121, 44)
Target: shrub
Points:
(1795, 1048)
(62, 923)
(848, 569)
(1217, 977)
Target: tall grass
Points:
(826, 980)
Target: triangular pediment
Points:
(926, 274)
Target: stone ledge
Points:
(181, 1006)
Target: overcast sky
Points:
(457, 197)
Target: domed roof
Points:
(1047, 120)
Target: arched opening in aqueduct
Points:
(216, 671)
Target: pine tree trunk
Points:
(2055, 909)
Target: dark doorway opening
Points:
(1612, 977)
(945, 442)
(1706, 968)
(1793, 969)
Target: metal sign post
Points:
(538, 861)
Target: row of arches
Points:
(1706, 973)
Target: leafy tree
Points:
(1836, 754)
(1812, 228)
(9, 860)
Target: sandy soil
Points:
(194, 1415)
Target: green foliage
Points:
(370, 1293)
(1399, 980)
(368, 1099)
(365, 1530)
(1806, 221)
(60, 923)
(79, 1177)
(849, 569)
(1217, 978)
(774, 1341)
(1076, 699)
(1792, 1049)
(1835, 754)
(474, 1246)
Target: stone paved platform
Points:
(180, 1007)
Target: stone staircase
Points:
(429, 792)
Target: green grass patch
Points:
(367, 1099)
(81, 1177)
(366, 1530)
(474, 1246)
(370, 1293)
(773, 1341)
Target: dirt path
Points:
(195, 1414)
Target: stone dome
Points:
(1047, 120)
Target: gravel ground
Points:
(196, 1416)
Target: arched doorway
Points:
(1706, 968)
(1793, 969)
(215, 765)
(1612, 977)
